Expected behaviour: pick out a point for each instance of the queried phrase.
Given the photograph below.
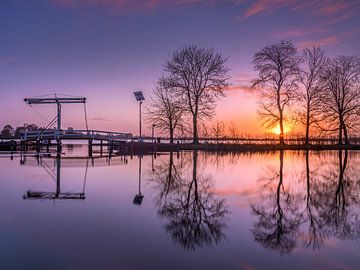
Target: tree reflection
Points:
(315, 233)
(195, 216)
(340, 210)
(278, 214)
(326, 207)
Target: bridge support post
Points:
(111, 147)
(58, 146)
(48, 145)
(38, 146)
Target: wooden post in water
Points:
(101, 147)
(90, 147)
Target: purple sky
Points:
(105, 49)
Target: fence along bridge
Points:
(46, 135)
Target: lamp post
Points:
(140, 98)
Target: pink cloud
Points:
(328, 40)
(325, 7)
(99, 119)
(299, 32)
(333, 7)
(245, 88)
(322, 42)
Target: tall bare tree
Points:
(165, 110)
(313, 83)
(277, 85)
(341, 95)
(200, 77)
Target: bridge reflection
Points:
(57, 194)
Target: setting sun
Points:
(276, 130)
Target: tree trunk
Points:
(195, 130)
(345, 134)
(171, 135)
(340, 133)
(281, 128)
(307, 124)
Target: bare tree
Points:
(341, 95)
(278, 66)
(312, 82)
(218, 130)
(165, 110)
(233, 131)
(200, 77)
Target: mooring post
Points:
(90, 147)
(101, 147)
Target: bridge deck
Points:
(54, 134)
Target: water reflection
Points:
(56, 176)
(302, 199)
(194, 216)
(328, 207)
(278, 213)
(139, 196)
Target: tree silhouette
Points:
(199, 76)
(277, 84)
(313, 84)
(165, 111)
(341, 95)
(8, 131)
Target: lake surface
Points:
(187, 210)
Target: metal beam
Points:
(54, 100)
(58, 101)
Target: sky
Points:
(106, 49)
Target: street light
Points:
(139, 97)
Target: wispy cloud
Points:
(298, 32)
(324, 7)
(246, 88)
(322, 42)
(99, 119)
(8, 59)
(332, 7)
(123, 5)
(261, 6)
(328, 40)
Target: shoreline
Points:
(143, 147)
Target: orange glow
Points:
(276, 130)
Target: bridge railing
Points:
(74, 134)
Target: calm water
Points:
(287, 210)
